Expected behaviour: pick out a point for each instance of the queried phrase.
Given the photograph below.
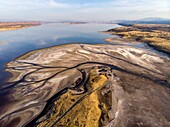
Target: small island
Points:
(155, 35)
(6, 26)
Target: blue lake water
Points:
(18, 42)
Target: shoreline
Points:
(155, 35)
(46, 78)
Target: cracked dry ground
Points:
(87, 86)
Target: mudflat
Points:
(85, 85)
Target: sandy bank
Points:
(7, 26)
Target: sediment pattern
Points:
(87, 86)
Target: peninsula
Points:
(79, 85)
(155, 35)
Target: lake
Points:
(18, 42)
(33, 92)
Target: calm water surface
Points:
(18, 42)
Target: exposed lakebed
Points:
(87, 85)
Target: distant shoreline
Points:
(7, 26)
